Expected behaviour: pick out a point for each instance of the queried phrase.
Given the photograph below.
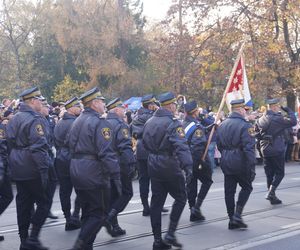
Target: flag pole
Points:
(221, 106)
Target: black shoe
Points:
(172, 240)
(72, 224)
(52, 216)
(237, 223)
(194, 218)
(273, 199)
(196, 215)
(160, 245)
(33, 244)
(164, 210)
(232, 225)
(146, 212)
(117, 231)
(1, 238)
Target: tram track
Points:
(57, 201)
(189, 225)
(137, 211)
(294, 184)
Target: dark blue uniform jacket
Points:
(122, 142)
(137, 128)
(3, 151)
(28, 146)
(236, 142)
(195, 135)
(270, 128)
(169, 152)
(61, 135)
(91, 137)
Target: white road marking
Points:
(295, 178)
(259, 183)
(138, 201)
(291, 225)
(214, 190)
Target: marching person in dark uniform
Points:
(93, 161)
(270, 128)
(169, 154)
(29, 163)
(137, 128)
(6, 194)
(62, 163)
(236, 142)
(49, 132)
(195, 135)
(123, 147)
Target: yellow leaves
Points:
(214, 66)
(205, 52)
(207, 85)
(67, 89)
(274, 47)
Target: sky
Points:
(156, 9)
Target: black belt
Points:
(162, 153)
(85, 156)
(20, 147)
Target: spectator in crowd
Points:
(6, 103)
(295, 153)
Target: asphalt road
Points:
(270, 227)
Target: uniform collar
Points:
(68, 116)
(163, 112)
(236, 115)
(143, 110)
(26, 108)
(91, 111)
(111, 115)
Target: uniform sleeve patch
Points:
(2, 134)
(198, 133)
(125, 133)
(251, 131)
(106, 133)
(180, 132)
(39, 129)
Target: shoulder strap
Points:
(190, 129)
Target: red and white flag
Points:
(239, 88)
(298, 107)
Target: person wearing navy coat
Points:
(196, 137)
(62, 163)
(49, 124)
(236, 142)
(122, 145)
(270, 133)
(169, 155)
(93, 161)
(6, 194)
(29, 162)
(137, 127)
